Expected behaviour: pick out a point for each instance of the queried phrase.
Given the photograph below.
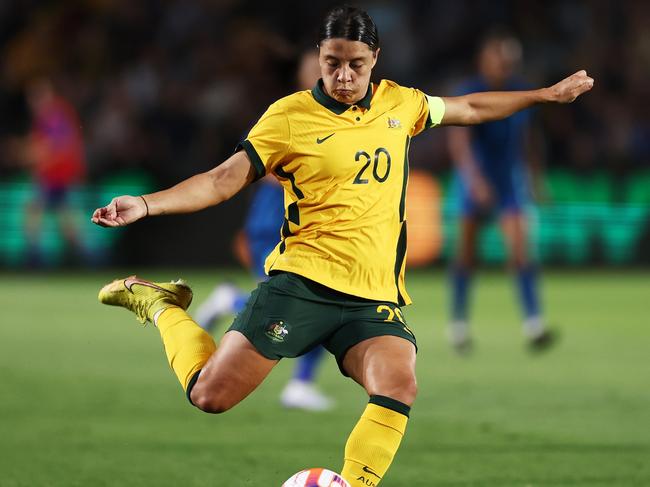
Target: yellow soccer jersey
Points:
(344, 169)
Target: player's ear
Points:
(375, 55)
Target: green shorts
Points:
(288, 315)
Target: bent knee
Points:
(210, 401)
(408, 392)
(404, 390)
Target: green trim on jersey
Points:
(400, 254)
(405, 180)
(400, 250)
(292, 179)
(254, 157)
(336, 106)
(293, 212)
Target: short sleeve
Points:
(429, 111)
(418, 100)
(268, 141)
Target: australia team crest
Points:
(394, 123)
(277, 331)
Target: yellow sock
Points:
(374, 441)
(187, 345)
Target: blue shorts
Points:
(508, 197)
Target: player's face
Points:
(345, 68)
(498, 59)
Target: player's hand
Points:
(120, 211)
(571, 88)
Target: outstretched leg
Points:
(215, 379)
(232, 373)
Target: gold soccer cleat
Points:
(144, 297)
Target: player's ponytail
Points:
(349, 23)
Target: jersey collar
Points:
(318, 92)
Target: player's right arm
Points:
(196, 193)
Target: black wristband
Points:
(145, 205)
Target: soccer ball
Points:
(316, 477)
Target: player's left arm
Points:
(478, 108)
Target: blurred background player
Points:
(54, 151)
(260, 236)
(492, 177)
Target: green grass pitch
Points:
(87, 398)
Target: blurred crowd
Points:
(171, 86)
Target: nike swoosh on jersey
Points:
(130, 281)
(320, 141)
(367, 470)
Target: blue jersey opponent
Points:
(492, 178)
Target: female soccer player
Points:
(337, 275)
